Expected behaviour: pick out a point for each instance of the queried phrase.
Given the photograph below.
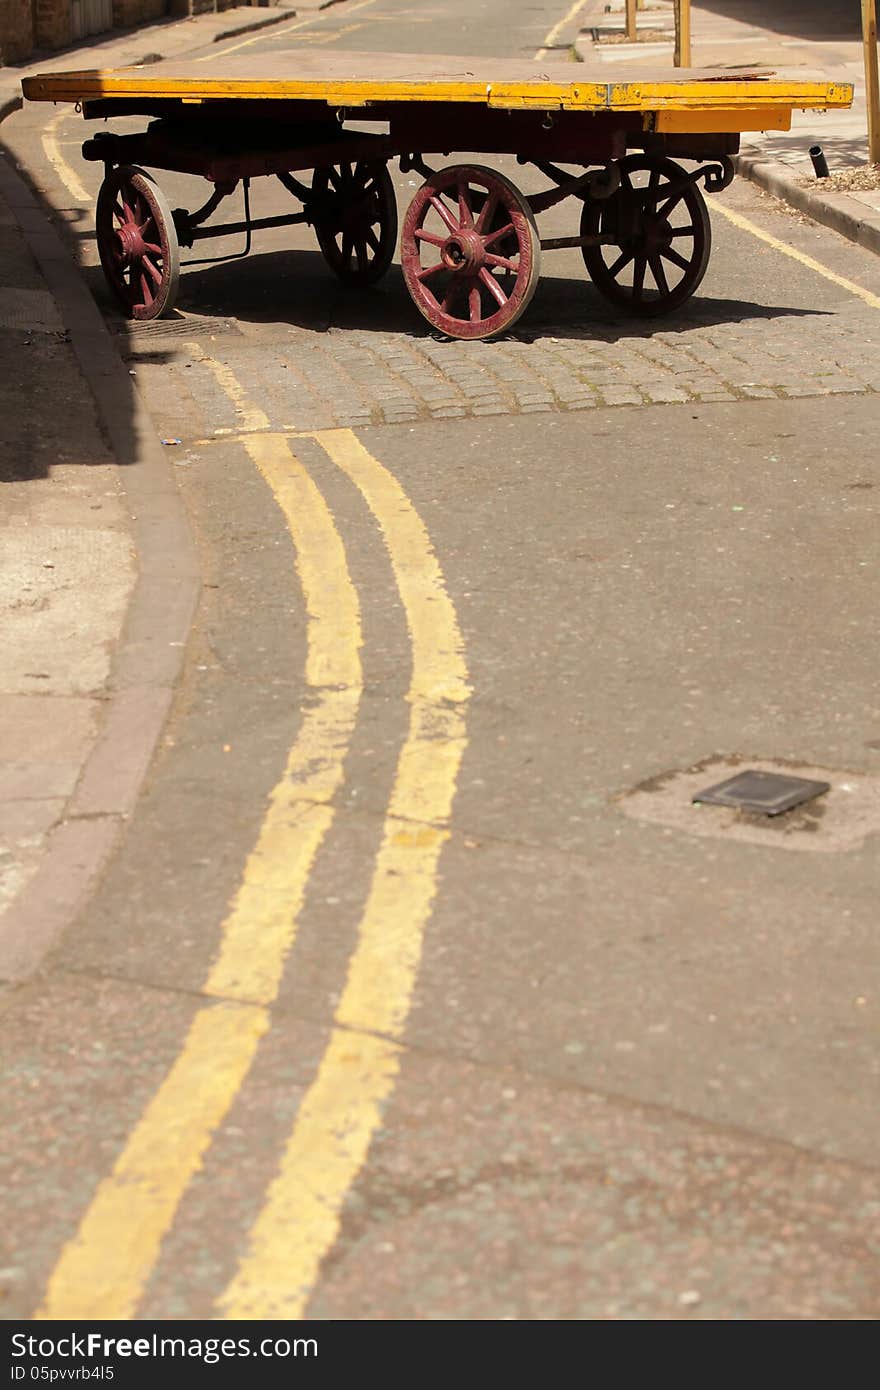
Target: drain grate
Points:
(767, 793)
(157, 330)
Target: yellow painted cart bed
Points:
(470, 250)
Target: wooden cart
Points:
(326, 126)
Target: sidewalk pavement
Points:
(101, 577)
(798, 38)
(98, 574)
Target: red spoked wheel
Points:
(470, 251)
(137, 243)
(659, 238)
(356, 221)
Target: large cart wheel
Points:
(357, 224)
(137, 243)
(470, 251)
(660, 237)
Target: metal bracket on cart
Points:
(716, 177)
(408, 162)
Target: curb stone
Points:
(841, 213)
(150, 652)
(255, 24)
(9, 104)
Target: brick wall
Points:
(26, 25)
(127, 13)
(16, 30)
(51, 23)
(179, 8)
(202, 6)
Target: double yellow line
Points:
(103, 1271)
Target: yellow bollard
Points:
(682, 55)
(869, 39)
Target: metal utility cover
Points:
(768, 793)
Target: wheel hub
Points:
(464, 252)
(658, 234)
(130, 244)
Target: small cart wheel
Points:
(356, 226)
(470, 251)
(137, 243)
(659, 238)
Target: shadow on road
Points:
(296, 288)
(55, 356)
(815, 20)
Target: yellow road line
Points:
(65, 172)
(250, 415)
(279, 33)
(103, 1271)
(342, 1109)
(558, 28)
(746, 225)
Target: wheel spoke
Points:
(363, 256)
(640, 265)
(475, 304)
(487, 211)
(501, 262)
(146, 292)
(430, 238)
(659, 274)
(451, 295)
(438, 204)
(499, 233)
(672, 202)
(153, 247)
(622, 260)
(465, 213)
(676, 259)
(346, 250)
(154, 272)
(429, 270)
(335, 179)
(372, 240)
(648, 196)
(493, 286)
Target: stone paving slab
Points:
(345, 378)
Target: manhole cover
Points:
(832, 811)
(767, 793)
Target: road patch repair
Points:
(837, 812)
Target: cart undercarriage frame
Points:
(469, 245)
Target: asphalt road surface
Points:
(419, 988)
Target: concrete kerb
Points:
(302, 7)
(253, 25)
(841, 213)
(150, 653)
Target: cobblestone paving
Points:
(344, 376)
